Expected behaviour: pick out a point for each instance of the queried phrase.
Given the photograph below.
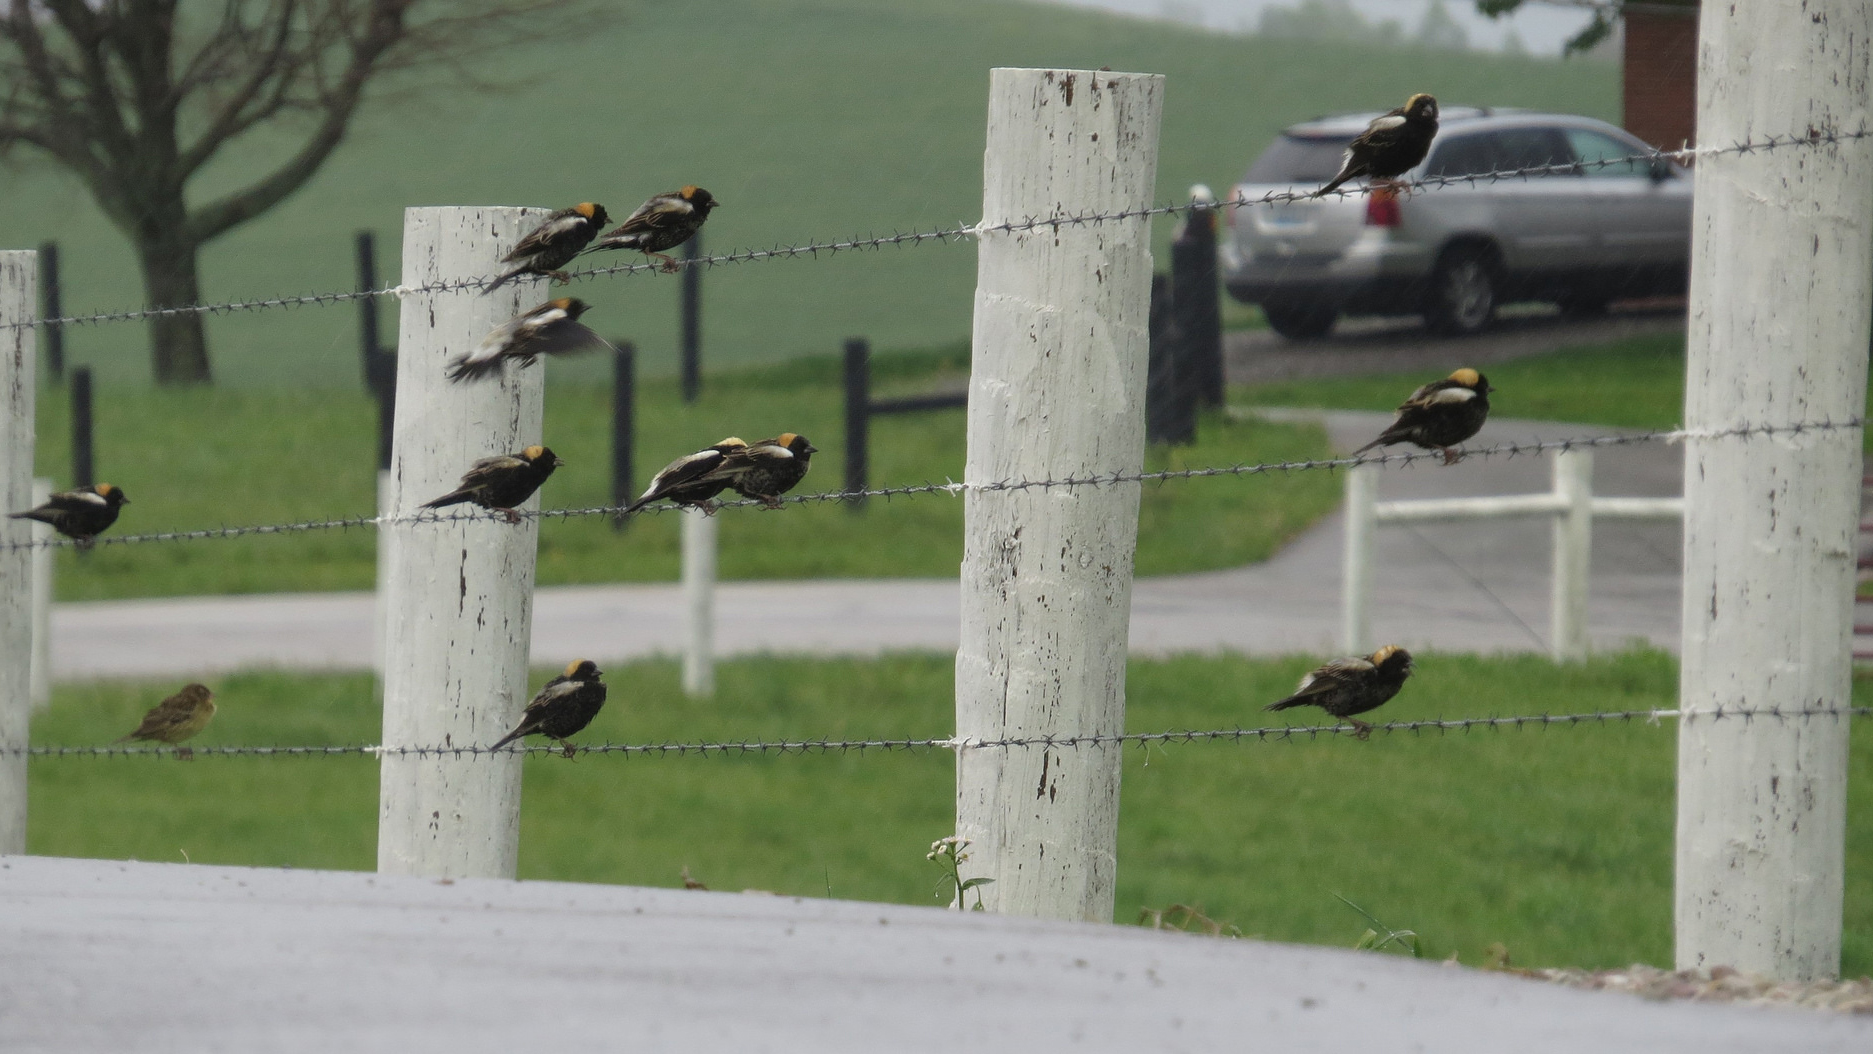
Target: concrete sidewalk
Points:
(1472, 587)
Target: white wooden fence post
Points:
(1573, 555)
(19, 303)
(380, 611)
(1782, 269)
(1056, 390)
(699, 541)
(1362, 485)
(459, 598)
(43, 566)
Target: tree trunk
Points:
(178, 344)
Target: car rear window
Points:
(1298, 159)
(1500, 151)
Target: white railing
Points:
(1570, 503)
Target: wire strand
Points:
(1811, 138)
(726, 748)
(1503, 450)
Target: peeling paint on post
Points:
(458, 595)
(1057, 390)
(19, 276)
(1782, 266)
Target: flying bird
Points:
(553, 328)
(81, 514)
(1345, 687)
(501, 482)
(553, 244)
(177, 718)
(1440, 415)
(1392, 145)
(664, 222)
(563, 707)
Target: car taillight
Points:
(1382, 209)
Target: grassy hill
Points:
(809, 118)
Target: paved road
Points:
(1456, 587)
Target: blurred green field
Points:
(1555, 842)
(191, 459)
(809, 118)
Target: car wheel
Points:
(1300, 321)
(1462, 298)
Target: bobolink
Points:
(1440, 415)
(664, 222)
(177, 718)
(1345, 687)
(694, 479)
(1392, 145)
(501, 482)
(563, 708)
(553, 244)
(774, 466)
(81, 514)
(551, 329)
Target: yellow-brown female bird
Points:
(80, 514)
(775, 465)
(664, 222)
(553, 328)
(1345, 687)
(563, 708)
(1440, 415)
(553, 244)
(501, 482)
(177, 718)
(1392, 145)
(695, 479)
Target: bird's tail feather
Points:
(470, 369)
(446, 500)
(510, 737)
(503, 280)
(1287, 704)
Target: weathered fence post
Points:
(1362, 490)
(1056, 391)
(84, 466)
(51, 305)
(1170, 397)
(699, 542)
(19, 272)
(1781, 277)
(623, 428)
(43, 566)
(379, 365)
(692, 319)
(1197, 299)
(460, 592)
(857, 420)
(1573, 555)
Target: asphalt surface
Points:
(114, 956)
(1469, 587)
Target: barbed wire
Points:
(813, 249)
(1503, 450)
(731, 748)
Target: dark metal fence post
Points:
(1170, 409)
(692, 320)
(380, 366)
(83, 467)
(1197, 301)
(51, 305)
(857, 419)
(623, 427)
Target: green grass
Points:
(1556, 843)
(808, 118)
(205, 458)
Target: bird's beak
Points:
(123, 501)
(558, 461)
(811, 449)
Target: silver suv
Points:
(1579, 237)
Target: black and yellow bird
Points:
(553, 244)
(553, 328)
(695, 479)
(1345, 687)
(177, 718)
(563, 707)
(1440, 415)
(501, 482)
(1392, 145)
(774, 467)
(664, 222)
(81, 514)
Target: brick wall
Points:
(1661, 74)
